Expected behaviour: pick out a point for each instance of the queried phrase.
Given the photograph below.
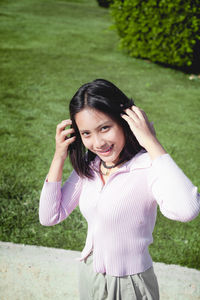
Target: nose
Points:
(98, 142)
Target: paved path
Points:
(37, 273)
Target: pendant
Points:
(107, 171)
(105, 174)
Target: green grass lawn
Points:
(47, 50)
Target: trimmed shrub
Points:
(104, 3)
(162, 31)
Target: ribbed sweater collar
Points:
(139, 161)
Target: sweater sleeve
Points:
(56, 202)
(177, 197)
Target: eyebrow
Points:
(98, 127)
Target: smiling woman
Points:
(92, 106)
(121, 174)
(102, 135)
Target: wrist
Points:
(56, 169)
(59, 158)
(154, 148)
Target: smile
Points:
(107, 150)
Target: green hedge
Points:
(104, 3)
(163, 31)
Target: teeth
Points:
(107, 149)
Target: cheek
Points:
(118, 134)
(86, 143)
(120, 139)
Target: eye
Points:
(85, 134)
(105, 128)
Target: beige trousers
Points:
(98, 286)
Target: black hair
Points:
(104, 96)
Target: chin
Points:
(111, 160)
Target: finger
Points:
(61, 126)
(70, 140)
(128, 120)
(131, 114)
(139, 112)
(63, 135)
(66, 132)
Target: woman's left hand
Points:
(143, 130)
(139, 124)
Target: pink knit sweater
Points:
(121, 214)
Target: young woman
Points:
(121, 173)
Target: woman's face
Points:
(100, 134)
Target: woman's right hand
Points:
(63, 139)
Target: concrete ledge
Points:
(31, 272)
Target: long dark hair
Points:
(104, 96)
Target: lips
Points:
(107, 150)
